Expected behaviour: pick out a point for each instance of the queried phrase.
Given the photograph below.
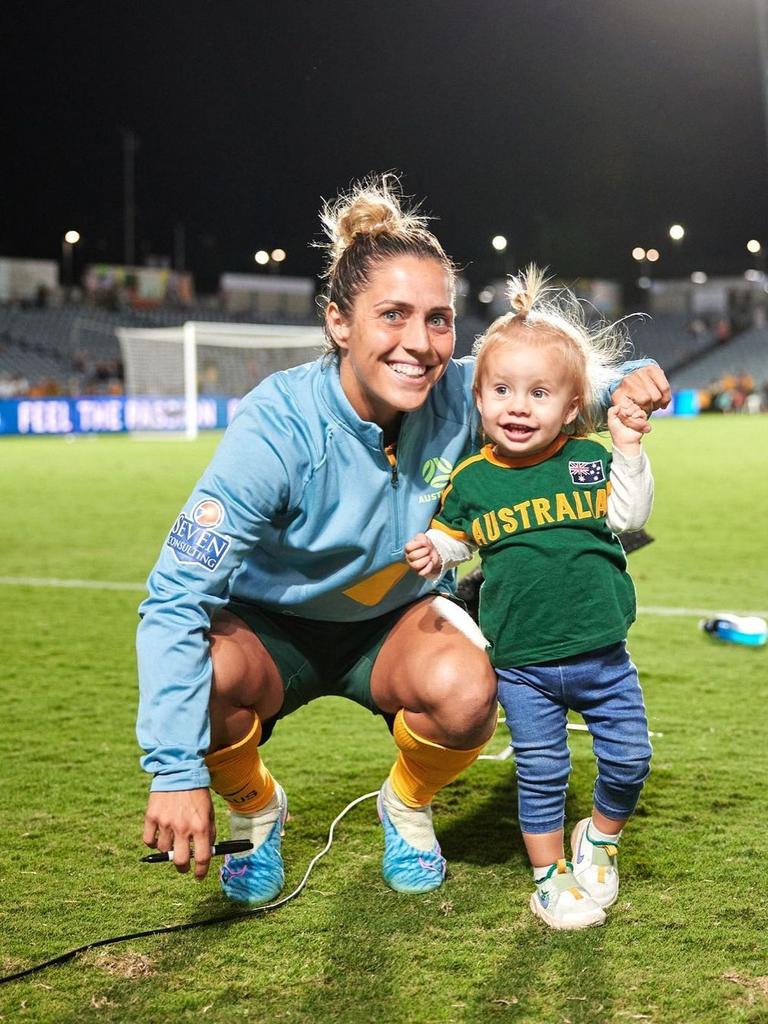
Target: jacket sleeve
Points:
(249, 483)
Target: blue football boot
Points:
(406, 867)
(257, 877)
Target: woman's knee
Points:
(462, 689)
(243, 673)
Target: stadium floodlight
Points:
(499, 243)
(68, 242)
(222, 360)
(652, 255)
(677, 232)
(644, 283)
(486, 295)
(754, 276)
(754, 246)
(638, 253)
(262, 257)
(278, 255)
(699, 277)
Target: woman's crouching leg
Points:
(434, 675)
(245, 690)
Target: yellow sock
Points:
(424, 767)
(238, 774)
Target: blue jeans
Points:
(603, 687)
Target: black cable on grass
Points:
(189, 925)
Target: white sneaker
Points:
(595, 865)
(561, 902)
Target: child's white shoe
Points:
(562, 903)
(595, 865)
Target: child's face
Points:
(526, 397)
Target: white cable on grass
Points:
(322, 853)
(187, 925)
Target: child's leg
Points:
(536, 717)
(613, 709)
(544, 848)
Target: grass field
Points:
(686, 941)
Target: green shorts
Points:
(317, 658)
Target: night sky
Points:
(577, 129)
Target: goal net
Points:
(184, 366)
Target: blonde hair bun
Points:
(372, 207)
(525, 289)
(367, 215)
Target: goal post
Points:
(200, 358)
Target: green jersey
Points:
(556, 581)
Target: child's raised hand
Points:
(422, 556)
(627, 423)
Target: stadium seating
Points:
(669, 338)
(76, 346)
(745, 354)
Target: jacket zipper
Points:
(391, 457)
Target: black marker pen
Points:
(219, 850)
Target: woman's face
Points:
(397, 341)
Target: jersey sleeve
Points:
(254, 477)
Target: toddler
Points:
(542, 504)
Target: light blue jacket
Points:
(301, 511)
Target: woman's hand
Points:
(422, 556)
(647, 387)
(175, 818)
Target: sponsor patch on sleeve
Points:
(586, 472)
(193, 539)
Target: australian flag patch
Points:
(586, 472)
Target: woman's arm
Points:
(247, 483)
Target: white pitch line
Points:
(38, 581)
(32, 581)
(706, 613)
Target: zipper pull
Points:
(394, 474)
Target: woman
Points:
(283, 579)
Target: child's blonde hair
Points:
(548, 315)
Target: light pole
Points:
(755, 249)
(277, 256)
(499, 244)
(68, 243)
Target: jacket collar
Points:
(340, 409)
